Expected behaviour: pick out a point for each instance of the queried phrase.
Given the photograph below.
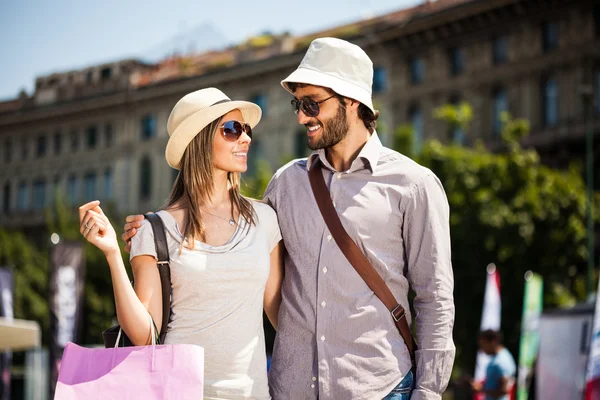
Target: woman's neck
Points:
(220, 196)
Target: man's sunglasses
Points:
(308, 106)
(232, 130)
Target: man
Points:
(500, 372)
(336, 339)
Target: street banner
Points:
(67, 273)
(530, 336)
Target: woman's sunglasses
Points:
(232, 130)
(308, 106)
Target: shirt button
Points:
(323, 304)
(325, 270)
(312, 386)
(323, 338)
(329, 237)
(314, 378)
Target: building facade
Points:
(100, 133)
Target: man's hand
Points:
(132, 222)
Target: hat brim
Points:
(338, 85)
(188, 129)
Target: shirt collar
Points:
(369, 153)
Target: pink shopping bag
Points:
(141, 372)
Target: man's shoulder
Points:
(394, 163)
(291, 169)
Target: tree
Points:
(511, 210)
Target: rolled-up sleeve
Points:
(426, 235)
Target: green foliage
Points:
(455, 115)
(511, 210)
(30, 269)
(255, 186)
(404, 140)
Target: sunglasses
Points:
(232, 130)
(308, 106)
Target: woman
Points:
(225, 250)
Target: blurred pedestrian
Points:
(500, 372)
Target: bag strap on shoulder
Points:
(162, 255)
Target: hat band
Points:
(219, 102)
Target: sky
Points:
(39, 37)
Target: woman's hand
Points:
(96, 228)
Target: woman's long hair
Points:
(194, 185)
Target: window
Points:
(500, 105)
(148, 127)
(597, 89)
(7, 151)
(417, 70)
(24, 149)
(255, 154)
(457, 133)
(549, 102)
(108, 183)
(23, 196)
(550, 36)
(57, 143)
(261, 100)
(55, 190)
(74, 140)
(379, 79)
(41, 146)
(72, 190)
(108, 135)
(89, 77)
(145, 178)
(89, 185)
(39, 194)
(416, 121)
(105, 73)
(6, 198)
(92, 137)
(301, 144)
(500, 50)
(457, 61)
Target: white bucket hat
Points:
(194, 112)
(339, 65)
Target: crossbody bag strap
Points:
(162, 255)
(356, 257)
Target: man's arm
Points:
(426, 237)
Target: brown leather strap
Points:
(356, 257)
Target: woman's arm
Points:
(133, 305)
(272, 299)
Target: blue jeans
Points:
(403, 390)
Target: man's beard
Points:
(333, 131)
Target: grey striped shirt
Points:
(336, 340)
